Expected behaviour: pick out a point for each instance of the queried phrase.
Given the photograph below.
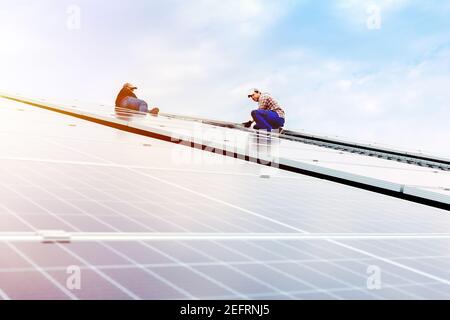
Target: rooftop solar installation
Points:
(142, 217)
(430, 184)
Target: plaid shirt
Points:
(266, 102)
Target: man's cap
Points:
(129, 86)
(252, 92)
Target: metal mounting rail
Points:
(417, 159)
(61, 236)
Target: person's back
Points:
(124, 93)
(128, 100)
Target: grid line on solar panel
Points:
(236, 262)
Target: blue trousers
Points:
(267, 119)
(134, 104)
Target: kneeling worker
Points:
(269, 115)
(128, 100)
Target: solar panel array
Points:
(422, 184)
(63, 173)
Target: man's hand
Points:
(247, 124)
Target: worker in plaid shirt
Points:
(269, 115)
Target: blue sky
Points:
(332, 73)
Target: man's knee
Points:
(143, 106)
(254, 113)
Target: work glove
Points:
(247, 124)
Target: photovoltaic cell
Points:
(62, 173)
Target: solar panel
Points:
(143, 218)
(422, 184)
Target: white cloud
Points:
(203, 62)
(403, 105)
(236, 17)
(357, 12)
(383, 4)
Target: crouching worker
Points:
(127, 99)
(269, 115)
